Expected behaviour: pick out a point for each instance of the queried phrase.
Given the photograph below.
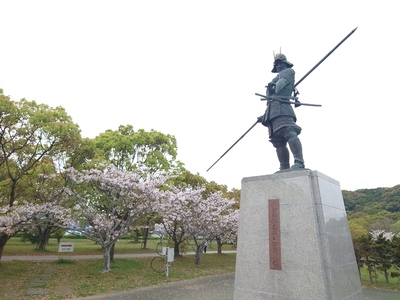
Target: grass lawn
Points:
(379, 281)
(80, 278)
(82, 246)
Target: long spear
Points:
(233, 144)
(298, 82)
(325, 57)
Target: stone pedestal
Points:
(294, 241)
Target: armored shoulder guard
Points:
(285, 82)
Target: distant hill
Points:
(372, 201)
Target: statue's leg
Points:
(283, 157)
(297, 151)
(290, 134)
(282, 151)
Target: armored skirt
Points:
(278, 123)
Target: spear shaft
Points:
(325, 57)
(233, 144)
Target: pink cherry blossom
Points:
(109, 201)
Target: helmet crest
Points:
(281, 58)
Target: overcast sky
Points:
(191, 69)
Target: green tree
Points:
(373, 201)
(363, 249)
(29, 133)
(186, 178)
(383, 253)
(395, 228)
(128, 149)
(357, 229)
(381, 223)
(396, 254)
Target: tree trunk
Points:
(41, 244)
(219, 245)
(3, 240)
(375, 275)
(4, 237)
(370, 273)
(146, 234)
(13, 188)
(112, 253)
(44, 236)
(176, 250)
(358, 258)
(369, 268)
(199, 250)
(386, 276)
(136, 236)
(106, 256)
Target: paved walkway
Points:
(212, 287)
(206, 288)
(219, 287)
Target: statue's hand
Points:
(260, 119)
(271, 88)
(297, 103)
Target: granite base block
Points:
(316, 250)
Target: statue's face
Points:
(279, 65)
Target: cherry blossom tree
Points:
(228, 228)
(44, 211)
(206, 219)
(25, 217)
(14, 218)
(173, 208)
(109, 201)
(186, 212)
(376, 234)
(49, 191)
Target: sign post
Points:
(66, 247)
(167, 257)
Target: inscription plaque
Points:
(275, 261)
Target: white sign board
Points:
(171, 254)
(66, 247)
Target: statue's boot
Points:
(297, 151)
(283, 157)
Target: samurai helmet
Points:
(281, 58)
